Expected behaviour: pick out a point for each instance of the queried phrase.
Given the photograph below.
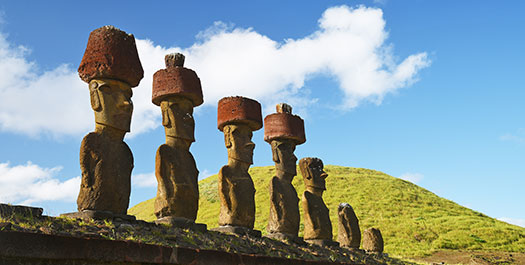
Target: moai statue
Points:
(372, 240)
(112, 67)
(349, 234)
(237, 118)
(317, 225)
(283, 131)
(177, 90)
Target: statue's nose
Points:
(324, 175)
(250, 145)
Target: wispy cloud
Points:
(204, 174)
(30, 183)
(514, 221)
(412, 177)
(518, 137)
(349, 46)
(146, 180)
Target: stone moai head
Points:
(177, 90)
(237, 118)
(111, 67)
(313, 174)
(283, 131)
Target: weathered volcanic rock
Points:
(176, 80)
(106, 186)
(284, 125)
(372, 240)
(232, 110)
(349, 234)
(111, 53)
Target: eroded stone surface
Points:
(372, 240)
(8, 211)
(349, 234)
(177, 90)
(316, 218)
(284, 204)
(111, 53)
(239, 110)
(111, 67)
(284, 125)
(236, 189)
(106, 164)
(176, 80)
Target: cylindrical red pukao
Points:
(176, 80)
(239, 110)
(111, 53)
(284, 126)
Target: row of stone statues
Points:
(111, 67)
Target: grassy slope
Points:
(413, 221)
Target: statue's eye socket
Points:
(104, 88)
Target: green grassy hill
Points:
(413, 221)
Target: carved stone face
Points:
(313, 173)
(238, 140)
(177, 118)
(111, 101)
(284, 157)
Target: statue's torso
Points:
(177, 177)
(284, 208)
(106, 166)
(237, 193)
(317, 223)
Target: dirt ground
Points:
(474, 258)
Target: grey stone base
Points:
(238, 230)
(7, 211)
(286, 237)
(322, 242)
(100, 215)
(182, 222)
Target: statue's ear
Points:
(93, 95)
(275, 155)
(165, 113)
(227, 136)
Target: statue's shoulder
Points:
(275, 181)
(163, 150)
(92, 141)
(91, 137)
(309, 196)
(225, 171)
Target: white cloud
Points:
(30, 183)
(146, 180)
(349, 47)
(204, 174)
(514, 221)
(412, 177)
(518, 137)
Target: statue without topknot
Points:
(317, 224)
(177, 90)
(111, 67)
(349, 234)
(237, 118)
(283, 131)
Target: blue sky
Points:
(429, 91)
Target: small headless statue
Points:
(317, 224)
(283, 131)
(177, 90)
(237, 118)
(111, 66)
(349, 234)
